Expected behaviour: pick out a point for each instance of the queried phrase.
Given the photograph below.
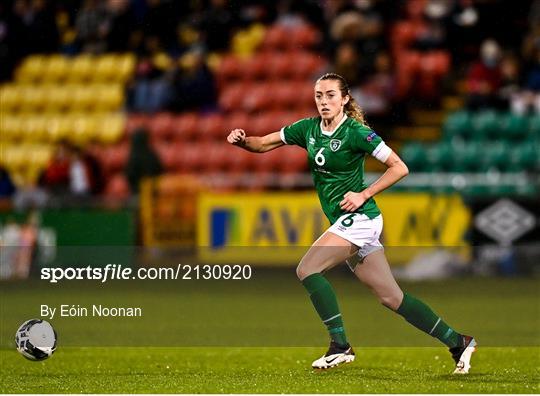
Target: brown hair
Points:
(352, 109)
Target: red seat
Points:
(294, 160)
(237, 159)
(236, 120)
(184, 126)
(135, 121)
(117, 187)
(232, 96)
(230, 68)
(276, 37)
(257, 97)
(115, 158)
(216, 157)
(161, 126)
(167, 154)
(280, 66)
(268, 162)
(256, 67)
(211, 126)
(303, 37)
(305, 65)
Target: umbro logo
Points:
(311, 140)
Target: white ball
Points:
(36, 339)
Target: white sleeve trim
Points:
(282, 135)
(382, 152)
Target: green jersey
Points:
(336, 160)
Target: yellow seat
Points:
(57, 68)
(106, 68)
(84, 130)
(33, 98)
(82, 68)
(34, 128)
(59, 128)
(110, 128)
(31, 70)
(59, 97)
(110, 97)
(9, 128)
(83, 97)
(10, 97)
(40, 155)
(125, 67)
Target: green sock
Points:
(324, 300)
(422, 317)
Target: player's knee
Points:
(391, 301)
(303, 271)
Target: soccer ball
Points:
(36, 339)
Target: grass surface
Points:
(267, 370)
(261, 335)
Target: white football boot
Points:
(334, 357)
(462, 355)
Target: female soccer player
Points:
(337, 142)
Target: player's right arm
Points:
(255, 144)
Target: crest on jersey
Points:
(335, 144)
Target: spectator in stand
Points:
(91, 27)
(510, 95)
(56, 177)
(194, 84)
(142, 162)
(10, 237)
(84, 174)
(7, 188)
(217, 24)
(119, 25)
(484, 77)
(348, 63)
(151, 90)
(376, 94)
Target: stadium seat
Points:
(466, 157)
(10, 97)
(109, 97)
(276, 38)
(534, 126)
(256, 97)
(280, 66)
(110, 128)
(237, 119)
(256, 67)
(161, 126)
(294, 160)
(59, 97)
(230, 68)
(84, 130)
(117, 187)
(105, 68)
(303, 37)
(210, 127)
(185, 126)
(33, 128)
(167, 155)
(82, 97)
(81, 68)
(457, 124)
(305, 65)
(512, 127)
(59, 127)
(494, 156)
(31, 69)
(232, 96)
(114, 158)
(136, 121)
(439, 157)
(523, 157)
(216, 157)
(414, 155)
(56, 68)
(485, 124)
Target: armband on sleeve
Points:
(382, 152)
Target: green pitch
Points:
(260, 336)
(267, 370)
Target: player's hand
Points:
(353, 200)
(237, 137)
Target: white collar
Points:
(328, 133)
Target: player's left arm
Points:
(396, 170)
